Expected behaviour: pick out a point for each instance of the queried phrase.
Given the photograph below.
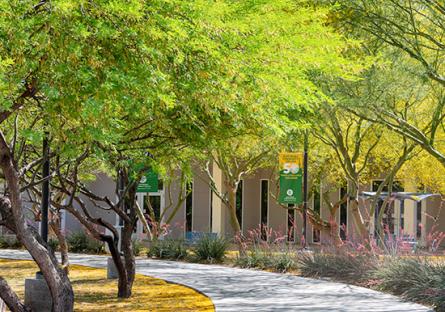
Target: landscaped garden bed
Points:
(415, 277)
(93, 292)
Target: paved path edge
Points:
(225, 297)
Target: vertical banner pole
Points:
(305, 187)
(121, 190)
(45, 190)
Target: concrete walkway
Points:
(239, 290)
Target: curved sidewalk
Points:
(237, 290)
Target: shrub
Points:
(417, 279)
(82, 243)
(255, 259)
(137, 247)
(53, 244)
(338, 264)
(282, 261)
(10, 242)
(168, 249)
(211, 249)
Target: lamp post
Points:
(45, 189)
(37, 294)
(305, 186)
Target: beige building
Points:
(203, 212)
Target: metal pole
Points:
(305, 187)
(45, 190)
(121, 190)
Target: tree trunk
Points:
(231, 206)
(359, 223)
(112, 241)
(379, 224)
(129, 259)
(63, 245)
(10, 298)
(57, 280)
(123, 290)
(127, 243)
(232, 211)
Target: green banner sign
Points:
(291, 178)
(148, 182)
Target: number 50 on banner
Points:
(291, 178)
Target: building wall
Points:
(210, 214)
(173, 196)
(201, 202)
(102, 186)
(434, 219)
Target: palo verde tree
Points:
(281, 42)
(123, 115)
(352, 140)
(364, 148)
(413, 28)
(94, 78)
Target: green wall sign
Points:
(291, 178)
(148, 183)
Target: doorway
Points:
(153, 205)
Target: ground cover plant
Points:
(338, 263)
(417, 275)
(95, 293)
(82, 243)
(138, 247)
(211, 249)
(266, 249)
(168, 248)
(9, 242)
(415, 278)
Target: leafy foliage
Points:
(168, 248)
(417, 279)
(260, 259)
(338, 264)
(9, 242)
(138, 247)
(53, 244)
(82, 243)
(211, 249)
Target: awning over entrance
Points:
(399, 195)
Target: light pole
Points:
(305, 186)
(45, 189)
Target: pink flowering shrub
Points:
(265, 248)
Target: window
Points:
(152, 209)
(343, 214)
(419, 220)
(389, 218)
(211, 210)
(189, 207)
(239, 204)
(402, 215)
(264, 207)
(396, 186)
(317, 209)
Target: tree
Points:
(237, 159)
(353, 141)
(414, 28)
(80, 71)
(359, 143)
(13, 217)
(293, 41)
